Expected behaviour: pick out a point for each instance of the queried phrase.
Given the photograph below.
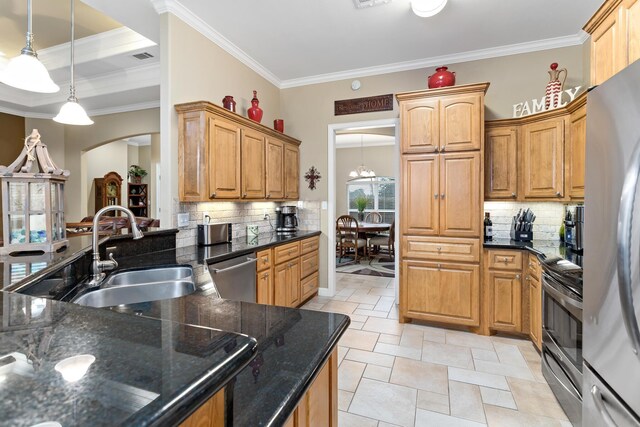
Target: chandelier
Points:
(362, 171)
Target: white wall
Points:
(99, 161)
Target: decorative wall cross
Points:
(312, 176)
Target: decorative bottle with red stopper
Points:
(554, 87)
(255, 112)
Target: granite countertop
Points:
(542, 248)
(143, 370)
(292, 344)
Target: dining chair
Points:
(382, 240)
(347, 229)
(373, 217)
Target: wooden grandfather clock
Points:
(108, 191)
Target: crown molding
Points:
(92, 113)
(176, 8)
(494, 52)
(92, 48)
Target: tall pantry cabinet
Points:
(442, 132)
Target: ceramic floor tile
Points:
(393, 313)
(365, 306)
(467, 339)
(521, 372)
(447, 354)
(344, 400)
(435, 419)
(509, 354)
(389, 339)
(349, 375)
(346, 419)
(340, 307)
(431, 401)
(347, 292)
(413, 339)
(383, 292)
(466, 401)
(342, 352)
(503, 417)
(371, 313)
(488, 355)
(376, 372)
(536, 369)
(362, 340)
(386, 402)
(358, 318)
(477, 378)
(313, 306)
(421, 375)
(492, 396)
(396, 350)
(356, 325)
(385, 303)
(364, 299)
(370, 357)
(383, 424)
(535, 398)
(385, 326)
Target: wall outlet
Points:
(183, 220)
(206, 217)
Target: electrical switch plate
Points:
(324, 205)
(300, 204)
(183, 220)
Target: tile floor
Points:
(394, 374)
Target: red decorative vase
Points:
(442, 78)
(555, 86)
(229, 103)
(255, 112)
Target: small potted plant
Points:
(361, 204)
(136, 173)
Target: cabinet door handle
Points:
(513, 195)
(212, 196)
(442, 149)
(439, 248)
(244, 195)
(435, 196)
(269, 196)
(266, 275)
(518, 276)
(528, 278)
(439, 266)
(558, 193)
(442, 196)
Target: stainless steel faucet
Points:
(98, 267)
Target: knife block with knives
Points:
(522, 226)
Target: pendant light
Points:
(71, 112)
(427, 8)
(25, 71)
(362, 171)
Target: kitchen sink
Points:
(131, 287)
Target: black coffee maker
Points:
(286, 219)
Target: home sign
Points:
(534, 106)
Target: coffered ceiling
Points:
(289, 42)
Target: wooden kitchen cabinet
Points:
(224, 156)
(460, 195)
(501, 163)
(209, 414)
(223, 153)
(505, 300)
(287, 283)
(543, 159)
(274, 154)
(264, 287)
(441, 292)
(291, 172)
(576, 149)
(441, 194)
(615, 38)
(442, 120)
(452, 249)
(253, 165)
(533, 280)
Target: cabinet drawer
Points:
(264, 260)
(505, 259)
(308, 263)
(286, 252)
(310, 244)
(533, 266)
(309, 286)
(441, 249)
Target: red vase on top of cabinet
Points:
(555, 86)
(255, 112)
(441, 78)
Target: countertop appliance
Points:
(574, 228)
(562, 333)
(612, 260)
(287, 219)
(211, 234)
(235, 278)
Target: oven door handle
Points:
(625, 218)
(599, 401)
(572, 390)
(574, 306)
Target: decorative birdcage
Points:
(33, 202)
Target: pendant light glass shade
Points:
(72, 113)
(25, 71)
(427, 8)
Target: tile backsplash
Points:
(241, 214)
(549, 218)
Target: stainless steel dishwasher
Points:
(235, 278)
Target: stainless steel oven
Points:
(562, 344)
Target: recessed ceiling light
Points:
(427, 8)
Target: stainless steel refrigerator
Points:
(611, 339)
